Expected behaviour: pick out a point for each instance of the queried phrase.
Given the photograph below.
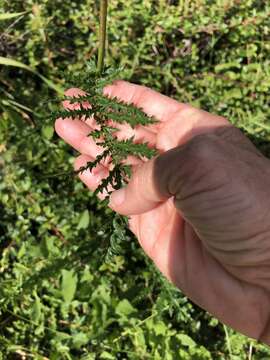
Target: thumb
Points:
(179, 173)
(152, 183)
(141, 194)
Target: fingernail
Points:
(118, 197)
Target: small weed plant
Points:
(106, 110)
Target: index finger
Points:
(150, 101)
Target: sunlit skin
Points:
(200, 209)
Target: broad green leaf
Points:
(233, 94)
(80, 339)
(22, 251)
(124, 308)
(226, 66)
(102, 293)
(60, 336)
(37, 309)
(47, 132)
(7, 16)
(86, 275)
(186, 340)
(106, 355)
(160, 328)
(140, 338)
(51, 246)
(68, 285)
(84, 220)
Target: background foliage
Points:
(59, 298)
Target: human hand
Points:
(200, 209)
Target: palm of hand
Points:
(170, 241)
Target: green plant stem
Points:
(102, 34)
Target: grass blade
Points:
(11, 62)
(7, 16)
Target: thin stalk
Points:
(102, 34)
